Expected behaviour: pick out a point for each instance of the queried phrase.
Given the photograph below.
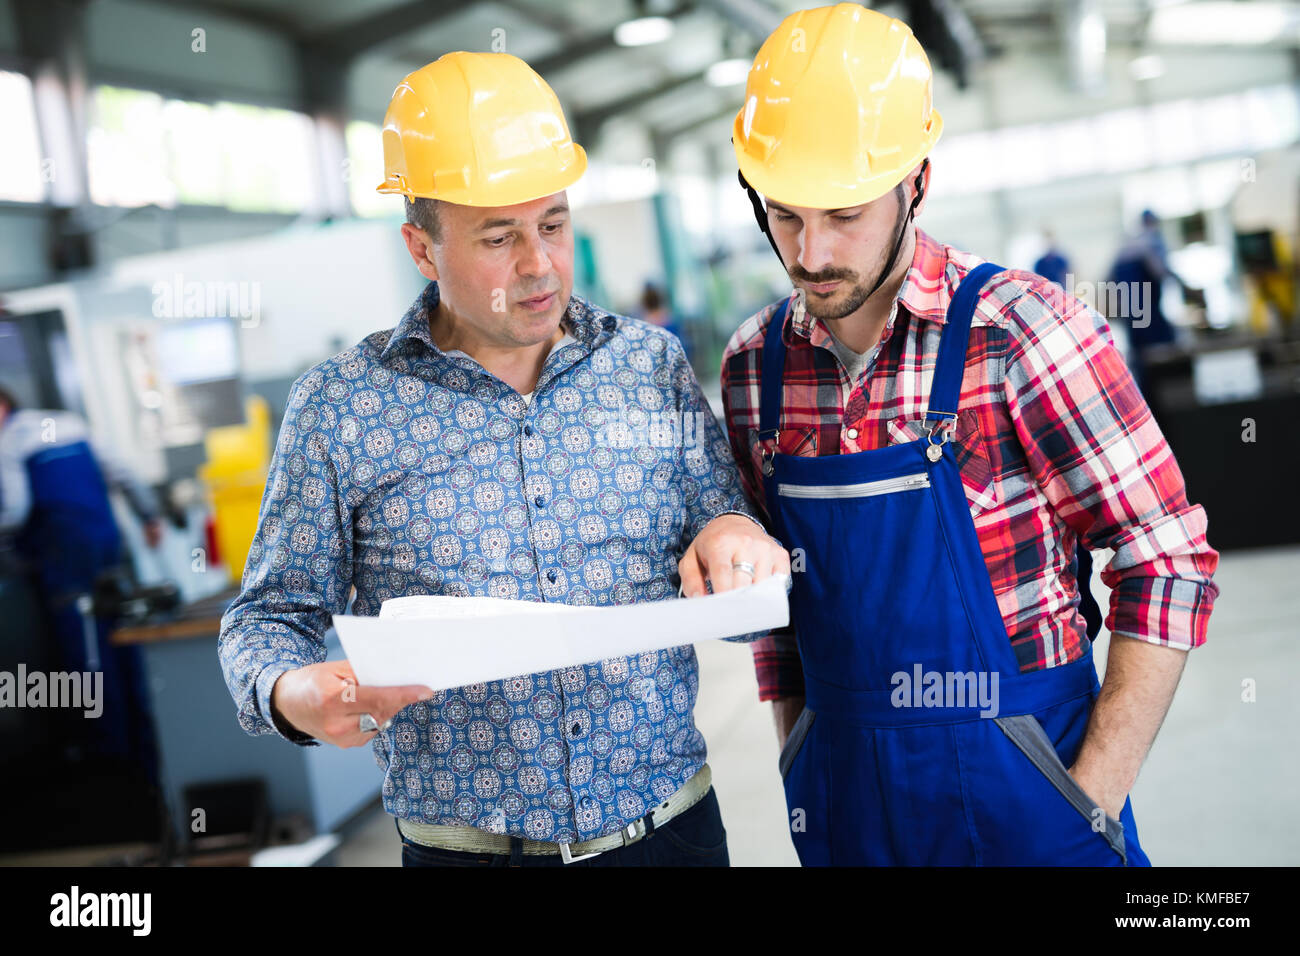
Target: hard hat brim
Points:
(792, 188)
(521, 190)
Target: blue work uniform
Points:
(69, 537)
(895, 589)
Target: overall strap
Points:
(769, 409)
(946, 389)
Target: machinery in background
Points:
(1270, 271)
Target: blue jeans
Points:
(693, 838)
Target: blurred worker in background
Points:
(654, 309)
(55, 508)
(1137, 279)
(467, 451)
(1052, 265)
(933, 436)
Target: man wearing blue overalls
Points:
(54, 505)
(940, 442)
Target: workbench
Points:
(200, 740)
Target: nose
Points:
(814, 248)
(534, 260)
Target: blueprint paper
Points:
(446, 642)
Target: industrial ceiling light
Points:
(643, 31)
(1225, 24)
(730, 72)
(1085, 45)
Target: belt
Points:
(474, 840)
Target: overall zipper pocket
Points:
(863, 489)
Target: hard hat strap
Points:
(760, 216)
(898, 241)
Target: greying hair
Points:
(423, 214)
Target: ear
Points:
(420, 246)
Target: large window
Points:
(144, 148)
(1120, 141)
(366, 171)
(22, 174)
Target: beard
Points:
(861, 287)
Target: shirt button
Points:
(528, 430)
(574, 730)
(539, 501)
(550, 576)
(852, 433)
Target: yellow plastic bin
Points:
(235, 475)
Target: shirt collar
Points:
(590, 325)
(925, 292)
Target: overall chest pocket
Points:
(972, 458)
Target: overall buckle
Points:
(935, 450)
(772, 435)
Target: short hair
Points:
(422, 213)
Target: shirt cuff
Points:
(779, 669)
(265, 682)
(743, 515)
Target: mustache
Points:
(817, 278)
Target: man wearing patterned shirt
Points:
(931, 436)
(506, 439)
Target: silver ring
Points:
(368, 724)
(743, 566)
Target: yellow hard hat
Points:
(478, 129)
(837, 108)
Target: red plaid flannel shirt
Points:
(1053, 441)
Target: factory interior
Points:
(189, 222)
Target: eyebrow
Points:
(500, 223)
(779, 208)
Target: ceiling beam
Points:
(594, 45)
(349, 40)
(753, 16)
(590, 120)
(670, 133)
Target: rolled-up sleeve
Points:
(1103, 463)
(299, 569)
(776, 656)
(711, 486)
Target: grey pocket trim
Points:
(1028, 735)
(795, 741)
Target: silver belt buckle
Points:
(569, 858)
(633, 831)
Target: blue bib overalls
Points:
(70, 536)
(921, 742)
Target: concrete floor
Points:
(1220, 787)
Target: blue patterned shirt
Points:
(400, 470)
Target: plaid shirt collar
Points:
(590, 325)
(925, 293)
